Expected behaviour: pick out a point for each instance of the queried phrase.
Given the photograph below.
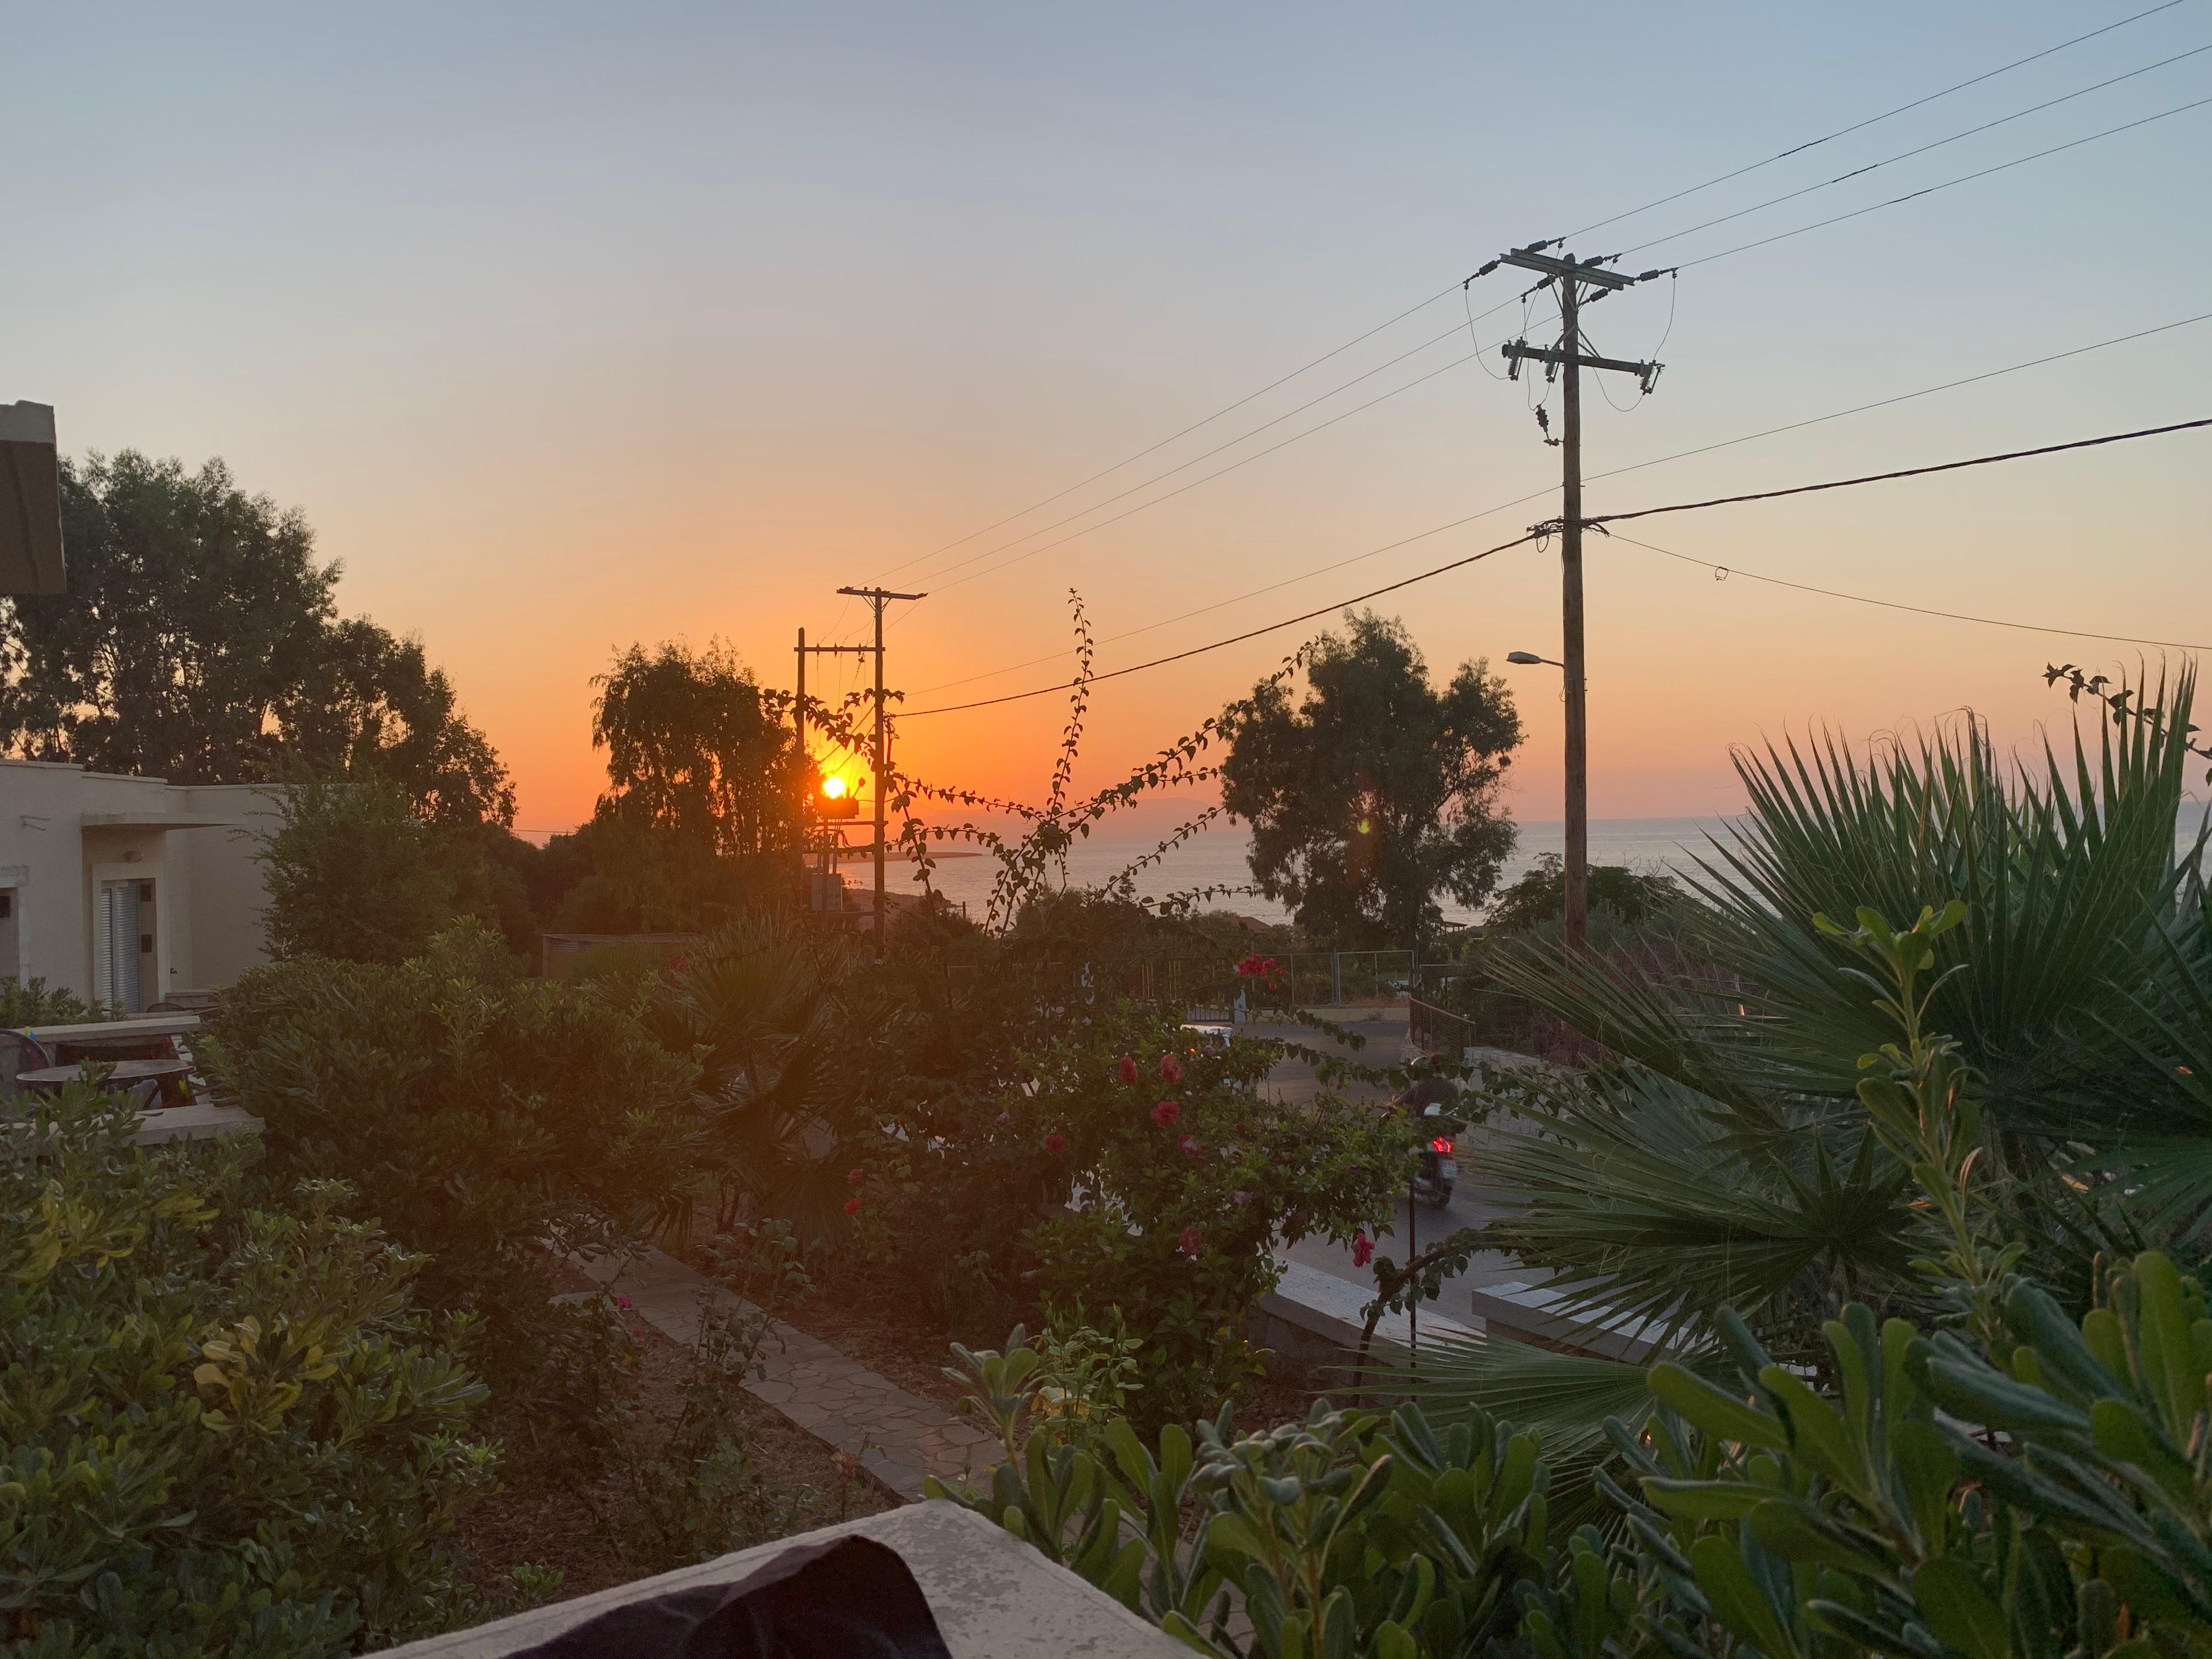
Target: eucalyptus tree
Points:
(1377, 790)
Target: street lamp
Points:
(1576, 827)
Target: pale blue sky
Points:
(570, 325)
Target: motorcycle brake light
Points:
(1442, 1143)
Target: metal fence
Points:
(1436, 1031)
(1211, 986)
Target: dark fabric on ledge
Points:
(854, 1598)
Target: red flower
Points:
(1170, 1068)
(1363, 1249)
(1055, 1144)
(856, 1176)
(1190, 1147)
(852, 1204)
(1166, 1113)
(1127, 1066)
(1188, 1242)
(676, 964)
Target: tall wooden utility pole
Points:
(1568, 275)
(877, 598)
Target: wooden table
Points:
(169, 1074)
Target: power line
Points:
(1858, 126)
(1963, 178)
(1614, 472)
(1160, 478)
(1928, 190)
(1904, 155)
(1046, 547)
(1227, 408)
(1236, 639)
(1423, 305)
(1726, 570)
(1543, 530)
(1907, 472)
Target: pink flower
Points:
(1170, 1068)
(1166, 1113)
(1240, 1199)
(1127, 1066)
(1363, 1249)
(624, 1302)
(1188, 1242)
(1005, 1120)
(852, 1204)
(1055, 1144)
(1190, 1147)
(856, 1176)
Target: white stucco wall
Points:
(64, 831)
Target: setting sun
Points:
(833, 787)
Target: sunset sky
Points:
(570, 326)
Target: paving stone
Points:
(899, 1438)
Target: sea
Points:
(1218, 857)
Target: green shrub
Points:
(1345, 1535)
(487, 1120)
(228, 1431)
(351, 872)
(33, 1002)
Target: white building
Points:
(129, 890)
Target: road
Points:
(1294, 1080)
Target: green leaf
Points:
(1718, 1412)
(1949, 1595)
(1705, 1500)
(1736, 1600)
(1928, 1469)
(1796, 1532)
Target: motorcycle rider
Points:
(1427, 1098)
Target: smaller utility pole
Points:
(831, 839)
(1567, 275)
(877, 598)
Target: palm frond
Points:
(1650, 1201)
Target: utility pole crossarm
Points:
(1514, 351)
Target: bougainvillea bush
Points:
(1179, 1179)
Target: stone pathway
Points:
(898, 1436)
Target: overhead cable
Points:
(1929, 190)
(1907, 154)
(1729, 570)
(1860, 126)
(1906, 472)
(1227, 408)
(1545, 529)
(1161, 478)
(1234, 639)
(1611, 473)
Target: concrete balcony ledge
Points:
(993, 1596)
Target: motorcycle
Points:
(1438, 1167)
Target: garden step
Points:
(899, 1438)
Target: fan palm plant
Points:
(756, 1006)
(1721, 1159)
